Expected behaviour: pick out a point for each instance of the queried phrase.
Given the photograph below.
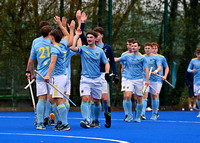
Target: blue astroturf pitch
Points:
(171, 127)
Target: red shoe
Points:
(191, 109)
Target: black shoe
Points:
(57, 126)
(85, 124)
(64, 127)
(157, 115)
(46, 121)
(125, 117)
(107, 120)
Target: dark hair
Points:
(60, 30)
(57, 35)
(135, 41)
(95, 34)
(155, 44)
(45, 30)
(44, 23)
(99, 29)
(147, 44)
(131, 40)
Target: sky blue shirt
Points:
(60, 52)
(163, 65)
(152, 61)
(68, 63)
(124, 64)
(41, 52)
(134, 66)
(195, 64)
(35, 41)
(90, 61)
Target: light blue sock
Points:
(198, 103)
(157, 103)
(144, 101)
(55, 111)
(84, 110)
(97, 111)
(63, 113)
(139, 109)
(125, 107)
(47, 109)
(129, 107)
(40, 111)
(92, 110)
(105, 107)
(89, 109)
(67, 105)
(154, 109)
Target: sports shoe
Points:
(96, 124)
(129, 118)
(157, 115)
(85, 124)
(154, 117)
(148, 109)
(92, 124)
(40, 126)
(52, 122)
(57, 126)
(125, 117)
(137, 120)
(143, 117)
(64, 127)
(198, 116)
(107, 120)
(191, 109)
(46, 121)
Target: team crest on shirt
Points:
(151, 60)
(87, 51)
(196, 63)
(97, 54)
(138, 61)
(82, 91)
(130, 59)
(105, 50)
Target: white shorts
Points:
(104, 83)
(135, 86)
(91, 86)
(196, 90)
(153, 88)
(59, 81)
(43, 88)
(68, 86)
(123, 88)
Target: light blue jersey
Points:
(163, 65)
(134, 66)
(41, 52)
(152, 61)
(35, 41)
(68, 64)
(100, 45)
(90, 61)
(60, 52)
(195, 64)
(124, 63)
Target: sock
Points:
(89, 110)
(92, 110)
(139, 109)
(198, 103)
(97, 111)
(125, 107)
(144, 101)
(194, 106)
(84, 110)
(154, 109)
(40, 111)
(47, 109)
(105, 106)
(63, 113)
(190, 105)
(129, 107)
(55, 111)
(67, 105)
(157, 103)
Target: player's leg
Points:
(123, 89)
(159, 86)
(92, 111)
(194, 102)
(197, 94)
(144, 101)
(190, 95)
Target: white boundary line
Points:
(77, 137)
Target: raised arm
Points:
(78, 17)
(71, 36)
(73, 47)
(82, 36)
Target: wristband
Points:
(28, 71)
(156, 71)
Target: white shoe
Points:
(148, 109)
(198, 115)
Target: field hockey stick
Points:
(56, 89)
(145, 86)
(166, 81)
(33, 100)
(29, 84)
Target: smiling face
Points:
(135, 47)
(91, 39)
(99, 37)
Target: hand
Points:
(78, 32)
(83, 17)
(115, 78)
(107, 77)
(163, 78)
(28, 75)
(193, 70)
(147, 83)
(72, 25)
(46, 78)
(64, 22)
(78, 15)
(57, 20)
(155, 72)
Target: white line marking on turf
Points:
(27, 117)
(78, 137)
